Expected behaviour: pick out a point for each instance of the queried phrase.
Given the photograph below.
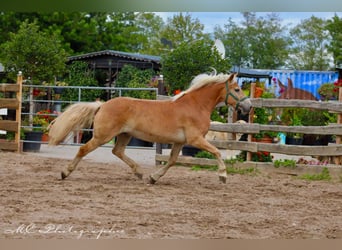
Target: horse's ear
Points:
(232, 77)
(281, 85)
(289, 83)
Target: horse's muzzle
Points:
(245, 106)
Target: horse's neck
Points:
(205, 98)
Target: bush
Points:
(132, 77)
(190, 59)
(81, 75)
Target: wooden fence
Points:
(15, 104)
(333, 151)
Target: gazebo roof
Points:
(116, 59)
(243, 72)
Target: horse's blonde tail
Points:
(75, 117)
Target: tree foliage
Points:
(257, 42)
(37, 54)
(334, 26)
(309, 49)
(81, 75)
(84, 32)
(190, 59)
(132, 77)
(182, 28)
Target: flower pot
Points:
(263, 139)
(58, 90)
(293, 141)
(258, 92)
(32, 141)
(45, 137)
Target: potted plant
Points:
(260, 156)
(293, 117)
(33, 134)
(259, 89)
(264, 116)
(42, 120)
(328, 91)
(317, 118)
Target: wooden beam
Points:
(9, 103)
(9, 125)
(255, 128)
(8, 145)
(7, 87)
(294, 103)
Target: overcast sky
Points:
(211, 19)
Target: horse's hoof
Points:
(223, 179)
(63, 175)
(139, 175)
(152, 181)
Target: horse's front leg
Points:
(119, 151)
(205, 145)
(176, 148)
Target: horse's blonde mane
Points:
(203, 80)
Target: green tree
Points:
(80, 32)
(310, 41)
(37, 54)
(182, 28)
(190, 59)
(149, 30)
(334, 26)
(257, 42)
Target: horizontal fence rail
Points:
(331, 150)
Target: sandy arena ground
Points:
(104, 200)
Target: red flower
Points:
(177, 91)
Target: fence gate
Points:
(12, 103)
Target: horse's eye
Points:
(237, 90)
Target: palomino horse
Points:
(185, 119)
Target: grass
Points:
(204, 154)
(284, 163)
(323, 176)
(204, 167)
(241, 171)
(230, 168)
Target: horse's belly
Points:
(164, 137)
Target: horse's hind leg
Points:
(176, 148)
(119, 151)
(83, 151)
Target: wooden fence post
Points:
(18, 110)
(338, 160)
(251, 119)
(12, 103)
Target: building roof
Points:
(252, 73)
(116, 59)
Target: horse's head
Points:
(235, 97)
